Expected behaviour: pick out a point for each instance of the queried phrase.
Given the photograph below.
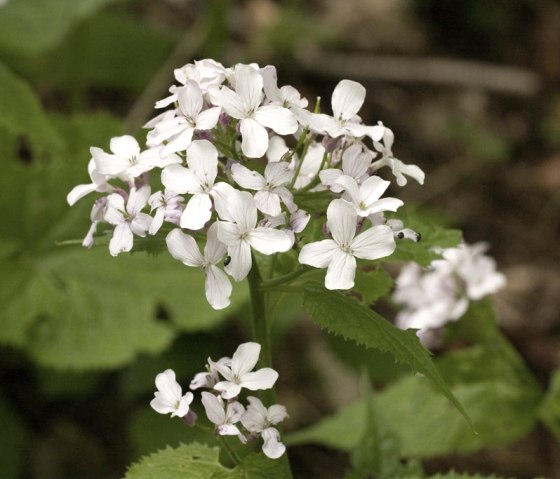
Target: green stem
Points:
(279, 280)
(261, 333)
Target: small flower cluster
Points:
(225, 379)
(442, 293)
(229, 177)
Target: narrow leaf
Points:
(344, 316)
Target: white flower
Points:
(244, 104)
(399, 231)
(179, 130)
(224, 417)
(339, 254)
(169, 396)
(287, 96)
(258, 419)
(127, 161)
(476, 270)
(168, 206)
(430, 298)
(366, 197)
(241, 234)
(347, 99)
(197, 180)
(210, 377)
(240, 373)
(127, 219)
(355, 163)
(184, 248)
(98, 183)
(97, 216)
(398, 168)
(296, 223)
(270, 187)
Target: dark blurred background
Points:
(471, 89)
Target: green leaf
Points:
(549, 410)
(69, 307)
(378, 453)
(199, 461)
(30, 27)
(424, 421)
(116, 51)
(20, 111)
(344, 316)
(372, 284)
(195, 461)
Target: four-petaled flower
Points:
(240, 373)
(339, 254)
(260, 420)
(169, 397)
(224, 417)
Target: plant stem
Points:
(261, 334)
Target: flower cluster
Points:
(442, 293)
(238, 155)
(224, 380)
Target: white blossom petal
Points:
(318, 254)
(254, 138)
(347, 99)
(341, 271)
(268, 240)
(184, 248)
(342, 220)
(376, 242)
(278, 118)
(122, 239)
(218, 288)
(197, 212)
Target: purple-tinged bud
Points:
(224, 118)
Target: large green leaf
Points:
(73, 308)
(344, 316)
(21, 113)
(197, 461)
(30, 27)
(424, 421)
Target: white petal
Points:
(270, 83)
(268, 240)
(162, 404)
(106, 164)
(262, 379)
(141, 224)
(376, 242)
(347, 99)
(218, 288)
(241, 262)
(228, 233)
(280, 119)
(245, 358)
(246, 178)
(268, 202)
(208, 119)
(351, 187)
(254, 140)
(341, 271)
(230, 101)
(157, 221)
(249, 86)
(221, 192)
(202, 158)
(137, 199)
(228, 430)
(183, 407)
(179, 179)
(372, 189)
(122, 239)
(272, 446)
(243, 210)
(79, 191)
(228, 389)
(179, 142)
(277, 413)
(214, 408)
(197, 212)
(318, 254)
(342, 220)
(189, 98)
(276, 149)
(278, 173)
(124, 146)
(184, 248)
(384, 204)
(214, 250)
(355, 162)
(167, 384)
